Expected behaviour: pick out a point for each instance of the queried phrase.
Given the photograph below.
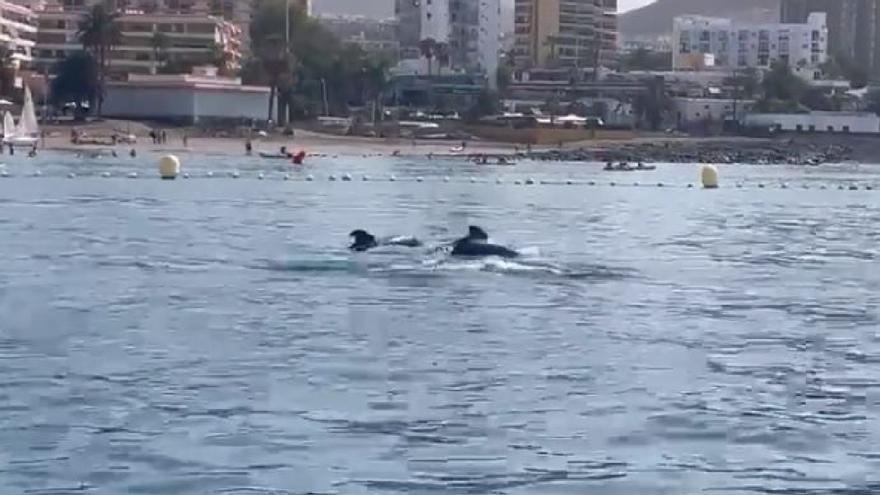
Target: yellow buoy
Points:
(709, 177)
(169, 167)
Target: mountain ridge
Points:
(656, 19)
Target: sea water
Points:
(214, 335)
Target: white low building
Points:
(693, 110)
(839, 122)
(711, 43)
(184, 98)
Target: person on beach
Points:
(185, 140)
(133, 153)
(248, 147)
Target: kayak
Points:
(275, 156)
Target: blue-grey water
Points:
(213, 335)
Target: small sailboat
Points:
(8, 126)
(27, 132)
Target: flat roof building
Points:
(710, 43)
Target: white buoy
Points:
(310, 178)
(592, 183)
(517, 182)
(612, 184)
(260, 176)
(210, 174)
(169, 167)
(4, 174)
(71, 175)
(635, 184)
(286, 176)
(365, 178)
(709, 177)
(186, 175)
(473, 180)
(332, 178)
(445, 179)
(783, 186)
(346, 178)
(569, 182)
(105, 174)
(498, 180)
(133, 175)
(659, 184)
(419, 179)
(38, 174)
(530, 181)
(392, 178)
(235, 174)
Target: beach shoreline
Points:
(647, 148)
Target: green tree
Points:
(7, 71)
(428, 48)
(377, 83)
(781, 84)
(99, 32)
(76, 80)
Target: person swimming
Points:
(364, 241)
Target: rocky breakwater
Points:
(762, 153)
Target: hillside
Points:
(656, 19)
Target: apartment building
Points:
(853, 28)
(565, 33)
(193, 38)
(470, 30)
(710, 43)
(18, 33)
(374, 36)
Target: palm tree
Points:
(277, 62)
(99, 32)
(377, 81)
(428, 47)
(443, 56)
(160, 43)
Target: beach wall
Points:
(545, 135)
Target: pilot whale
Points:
(476, 244)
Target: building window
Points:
(830, 128)
(812, 128)
(846, 128)
(799, 128)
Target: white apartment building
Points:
(489, 39)
(18, 33)
(434, 20)
(190, 38)
(471, 30)
(710, 43)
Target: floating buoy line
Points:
(169, 168)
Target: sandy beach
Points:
(642, 148)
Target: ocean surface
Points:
(214, 335)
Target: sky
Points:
(624, 5)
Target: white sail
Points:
(27, 124)
(8, 125)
